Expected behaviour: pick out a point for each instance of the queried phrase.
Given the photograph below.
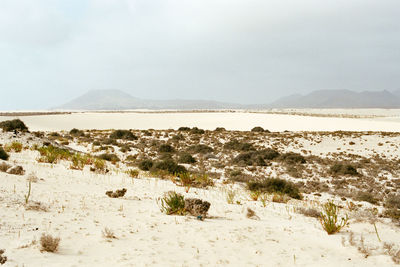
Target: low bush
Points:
(200, 149)
(51, 154)
(184, 129)
(238, 146)
(220, 129)
(3, 154)
(367, 197)
(292, 158)
(133, 173)
(123, 134)
(329, 218)
(344, 169)
(170, 166)
(275, 185)
(109, 157)
(257, 129)
(76, 132)
(13, 125)
(14, 147)
(146, 164)
(393, 201)
(186, 158)
(49, 243)
(165, 148)
(172, 203)
(257, 158)
(196, 130)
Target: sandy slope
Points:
(78, 211)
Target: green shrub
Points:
(170, 166)
(275, 185)
(76, 132)
(146, 164)
(14, 146)
(165, 148)
(133, 173)
(109, 157)
(123, 134)
(3, 154)
(184, 129)
(11, 125)
(257, 129)
(344, 169)
(186, 158)
(172, 203)
(200, 149)
(196, 130)
(257, 158)
(329, 218)
(238, 146)
(393, 201)
(51, 154)
(220, 129)
(367, 197)
(292, 158)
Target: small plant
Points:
(14, 147)
(263, 198)
(186, 180)
(230, 195)
(275, 185)
(109, 157)
(251, 214)
(254, 195)
(3, 154)
(172, 203)
(123, 134)
(329, 218)
(49, 243)
(108, 233)
(133, 173)
(200, 149)
(29, 192)
(99, 165)
(186, 158)
(146, 164)
(3, 258)
(165, 148)
(344, 169)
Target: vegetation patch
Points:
(238, 146)
(275, 185)
(200, 149)
(13, 125)
(3, 154)
(344, 169)
(123, 134)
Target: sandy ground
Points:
(242, 121)
(78, 211)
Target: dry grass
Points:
(49, 243)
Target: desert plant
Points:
(238, 146)
(123, 134)
(200, 149)
(344, 169)
(257, 129)
(275, 185)
(329, 218)
(170, 166)
(172, 203)
(13, 147)
(230, 195)
(3, 258)
(3, 154)
(109, 157)
(196, 130)
(186, 158)
(146, 164)
(254, 195)
(108, 233)
(49, 243)
(165, 148)
(13, 125)
(76, 132)
(367, 197)
(99, 165)
(133, 173)
(292, 158)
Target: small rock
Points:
(197, 207)
(16, 170)
(116, 194)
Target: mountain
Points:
(119, 100)
(340, 99)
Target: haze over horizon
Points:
(248, 52)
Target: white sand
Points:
(79, 211)
(230, 120)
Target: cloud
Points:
(229, 50)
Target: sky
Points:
(240, 51)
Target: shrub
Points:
(186, 158)
(367, 197)
(292, 158)
(200, 149)
(3, 154)
(170, 166)
(51, 154)
(196, 130)
(49, 243)
(275, 185)
(109, 157)
(133, 173)
(184, 129)
(344, 169)
(393, 201)
(257, 129)
(309, 212)
(238, 146)
(257, 158)
(146, 164)
(99, 165)
(329, 218)
(172, 203)
(76, 132)
(220, 129)
(123, 134)
(165, 148)
(14, 146)
(12, 125)
(118, 193)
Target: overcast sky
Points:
(244, 51)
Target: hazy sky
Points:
(245, 51)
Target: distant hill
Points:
(119, 100)
(340, 99)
